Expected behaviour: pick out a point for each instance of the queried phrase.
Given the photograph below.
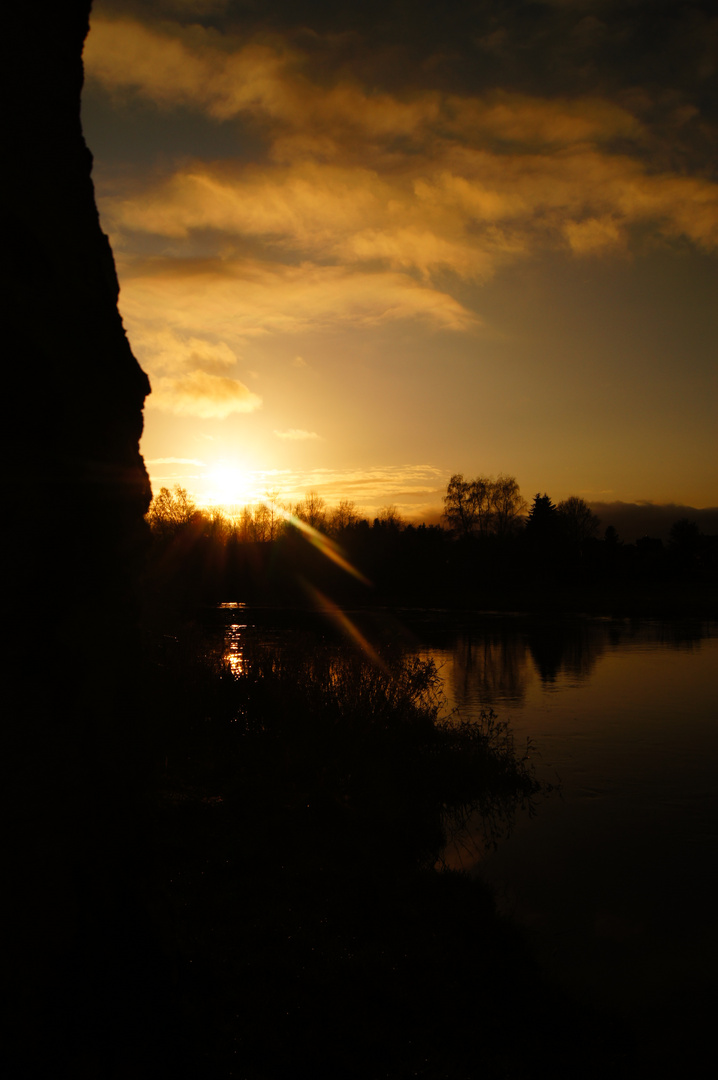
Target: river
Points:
(613, 878)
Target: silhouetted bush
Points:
(306, 794)
(324, 731)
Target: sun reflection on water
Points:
(234, 645)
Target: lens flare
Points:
(343, 623)
(327, 546)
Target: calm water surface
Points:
(613, 879)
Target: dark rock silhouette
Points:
(71, 381)
(76, 493)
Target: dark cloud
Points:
(621, 42)
(659, 59)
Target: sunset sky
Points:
(364, 246)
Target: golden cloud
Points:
(549, 123)
(125, 56)
(296, 434)
(469, 213)
(308, 203)
(366, 197)
(242, 299)
(373, 488)
(200, 394)
(195, 68)
(190, 374)
(594, 236)
(172, 354)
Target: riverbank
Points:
(669, 600)
(294, 834)
(295, 959)
(425, 567)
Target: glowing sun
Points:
(229, 485)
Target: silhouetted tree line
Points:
(493, 549)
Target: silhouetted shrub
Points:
(323, 731)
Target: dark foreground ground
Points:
(278, 913)
(270, 907)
